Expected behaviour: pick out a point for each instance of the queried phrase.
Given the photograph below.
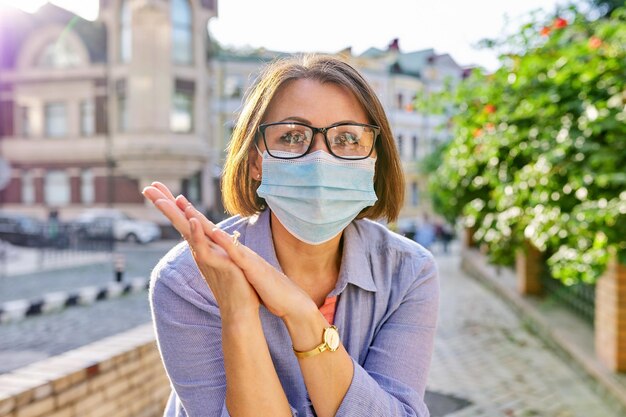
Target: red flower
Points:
(559, 23)
(489, 109)
(478, 132)
(595, 42)
(545, 31)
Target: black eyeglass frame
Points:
(323, 131)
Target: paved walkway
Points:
(484, 354)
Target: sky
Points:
(448, 26)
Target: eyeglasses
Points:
(290, 140)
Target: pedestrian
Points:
(447, 234)
(425, 234)
(299, 304)
(51, 234)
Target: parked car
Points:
(115, 224)
(21, 230)
(407, 227)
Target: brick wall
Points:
(119, 376)
(528, 264)
(610, 324)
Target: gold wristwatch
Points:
(330, 342)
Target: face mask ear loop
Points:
(258, 150)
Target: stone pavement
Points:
(34, 339)
(485, 354)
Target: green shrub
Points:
(539, 149)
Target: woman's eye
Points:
(293, 137)
(346, 139)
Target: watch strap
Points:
(317, 349)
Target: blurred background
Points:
(508, 117)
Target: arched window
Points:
(126, 33)
(59, 53)
(182, 35)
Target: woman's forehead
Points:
(316, 102)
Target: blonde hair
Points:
(239, 190)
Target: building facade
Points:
(90, 112)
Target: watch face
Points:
(331, 337)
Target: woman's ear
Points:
(255, 162)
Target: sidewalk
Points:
(485, 354)
(569, 335)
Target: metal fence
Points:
(54, 245)
(579, 298)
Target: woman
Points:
(310, 308)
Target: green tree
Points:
(539, 150)
(607, 7)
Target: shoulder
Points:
(377, 237)
(405, 259)
(235, 223)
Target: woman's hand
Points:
(281, 296)
(233, 292)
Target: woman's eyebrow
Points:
(296, 119)
(308, 122)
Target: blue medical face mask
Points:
(315, 197)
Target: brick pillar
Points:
(610, 317)
(468, 237)
(528, 265)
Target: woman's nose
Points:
(319, 143)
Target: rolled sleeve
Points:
(366, 397)
(392, 380)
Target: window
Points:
(233, 87)
(181, 117)
(414, 148)
(191, 188)
(59, 54)
(415, 194)
(126, 39)
(400, 145)
(87, 118)
(400, 100)
(56, 120)
(122, 113)
(56, 188)
(87, 192)
(24, 121)
(28, 187)
(182, 35)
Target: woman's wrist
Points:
(305, 326)
(239, 318)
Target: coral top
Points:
(328, 309)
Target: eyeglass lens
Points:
(347, 141)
